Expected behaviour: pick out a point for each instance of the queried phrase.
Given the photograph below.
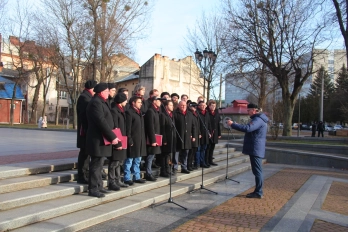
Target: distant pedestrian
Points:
(254, 144)
(321, 128)
(44, 122)
(39, 123)
(314, 128)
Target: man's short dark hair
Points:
(134, 99)
(152, 91)
(122, 90)
(184, 95)
(165, 103)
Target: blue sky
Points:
(168, 27)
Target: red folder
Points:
(118, 133)
(158, 140)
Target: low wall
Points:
(306, 158)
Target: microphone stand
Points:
(228, 139)
(170, 199)
(202, 186)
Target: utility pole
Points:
(322, 98)
(220, 101)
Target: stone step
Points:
(97, 214)
(37, 167)
(48, 166)
(47, 192)
(33, 213)
(33, 181)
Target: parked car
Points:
(294, 126)
(305, 127)
(337, 127)
(328, 128)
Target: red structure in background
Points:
(239, 107)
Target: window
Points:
(331, 69)
(331, 61)
(2, 86)
(62, 95)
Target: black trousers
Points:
(209, 153)
(320, 132)
(191, 156)
(95, 181)
(82, 165)
(114, 171)
(163, 161)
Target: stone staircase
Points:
(44, 196)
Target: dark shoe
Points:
(104, 190)
(204, 166)
(82, 181)
(140, 181)
(150, 177)
(96, 194)
(213, 164)
(195, 167)
(104, 175)
(190, 169)
(174, 172)
(129, 182)
(185, 171)
(254, 195)
(164, 175)
(114, 187)
(122, 185)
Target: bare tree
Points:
(19, 25)
(342, 20)
(116, 24)
(281, 35)
(207, 34)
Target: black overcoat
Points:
(215, 126)
(81, 106)
(197, 123)
(135, 133)
(152, 127)
(167, 130)
(206, 120)
(186, 128)
(100, 123)
(119, 117)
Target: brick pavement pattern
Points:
(244, 214)
(320, 226)
(22, 158)
(336, 199)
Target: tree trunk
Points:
(35, 101)
(288, 108)
(12, 103)
(75, 115)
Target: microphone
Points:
(193, 105)
(221, 108)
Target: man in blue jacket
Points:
(254, 144)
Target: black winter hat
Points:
(100, 87)
(120, 97)
(252, 106)
(175, 94)
(111, 86)
(90, 84)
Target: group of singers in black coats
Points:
(189, 133)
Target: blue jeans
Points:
(149, 159)
(132, 166)
(200, 154)
(180, 157)
(256, 167)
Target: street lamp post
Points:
(209, 60)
